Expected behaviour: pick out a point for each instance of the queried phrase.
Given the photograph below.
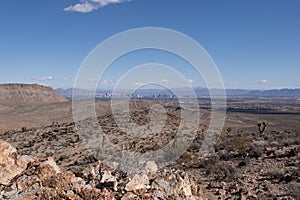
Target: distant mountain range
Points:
(276, 93)
(184, 91)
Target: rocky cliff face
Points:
(27, 94)
(29, 177)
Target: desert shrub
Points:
(54, 124)
(90, 158)
(76, 139)
(240, 144)
(176, 149)
(186, 157)
(274, 132)
(288, 142)
(194, 147)
(297, 131)
(173, 135)
(296, 173)
(224, 155)
(222, 144)
(256, 151)
(63, 157)
(24, 129)
(244, 162)
(228, 130)
(275, 174)
(222, 171)
(31, 143)
(133, 144)
(154, 147)
(279, 175)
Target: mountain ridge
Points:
(285, 92)
(28, 94)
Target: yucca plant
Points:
(262, 126)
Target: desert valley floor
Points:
(243, 164)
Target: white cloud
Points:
(266, 84)
(138, 84)
(263, 82)
(92, 80)
(86, 6)
(107, 83)
(106, 2)
(164, 81)
(48, 78)
(191, 81)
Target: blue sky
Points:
(255, 44)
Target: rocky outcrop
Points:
(10, 163)
(40, 178)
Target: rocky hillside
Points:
(28, 94)
(29, 177)
(243, 164)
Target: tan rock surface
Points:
(10, 163)
(27, 178)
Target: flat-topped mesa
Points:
(28, 94)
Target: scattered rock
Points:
(138, 183)
(10, 163)
(41, 178)
(151, 167)
(178, 185)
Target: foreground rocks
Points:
(10, 163)
(28, 177)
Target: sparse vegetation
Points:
(63, 157)
(173, 135)
(262, 126)
(24, 129)
(222, 171)
(176, 148)
(240, 144)
(297, 132)
(77, 139)
(241, 156)
(228, 130)
(31, 143)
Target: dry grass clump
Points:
(297, 131)
(240, 144)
